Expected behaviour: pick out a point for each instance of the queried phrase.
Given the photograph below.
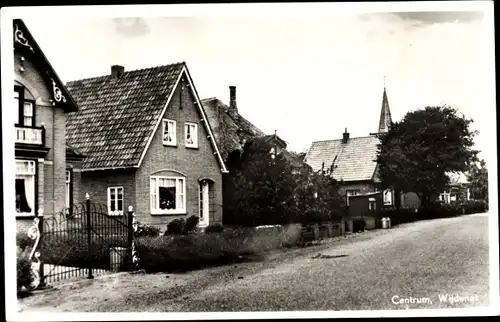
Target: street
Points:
(440, 263)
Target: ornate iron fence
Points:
(83, 240)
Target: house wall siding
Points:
(194, 163)
(96, 184)
(51, 175)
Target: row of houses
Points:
(141, 138)
(145, 138)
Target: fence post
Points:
(89, 231)
(130, 226)
(42, 271)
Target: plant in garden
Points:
(146, 230)
(175, 227)
(191, 223)
(417, 152)
(24, 276)
(215, 228)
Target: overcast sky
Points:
(307, 76)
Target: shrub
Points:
(191, 223)
(186, 252)
(215, 228)
(175, 227)
(471, 206)
(23, 241)
(146, 231)
(24, 277)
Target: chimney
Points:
(345, 136)
(233, 108)
(117, 71)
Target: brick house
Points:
(148, 143)
(45, 166)
(352, 162)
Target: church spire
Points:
(385, 113)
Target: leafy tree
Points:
(258, 188)
(415, 154)
(478, 180)
(261, 189)
(317, 192)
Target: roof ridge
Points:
(209, 99)
(126, 72)
(356, 137)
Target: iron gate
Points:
(83, 240)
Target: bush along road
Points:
(440, 263)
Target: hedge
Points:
(437, 210)
(187, 252)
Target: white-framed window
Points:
(169, 132)
(115, 201)
(68, 189)
(191, 135)
(372, 204)
(25, 187)
(28, 114)
(168, 195)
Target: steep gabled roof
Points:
(231, 133)
(351, 161)
(119, 115)
(25, 43)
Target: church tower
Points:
(385, 114)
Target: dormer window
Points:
(191, 135)
(169, 135)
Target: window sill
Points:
(168, 213)
(170, 144)
(114, 214)
(26, 215)
(192, 147)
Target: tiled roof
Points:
(352, 161)
(117, 115)
(230, 133)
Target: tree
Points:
(262, 189)
(415, 154)
(318, 192)
(478, 180)
(259, 188)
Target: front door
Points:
(204, 203)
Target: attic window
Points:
(169, 132)
(191, 135)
